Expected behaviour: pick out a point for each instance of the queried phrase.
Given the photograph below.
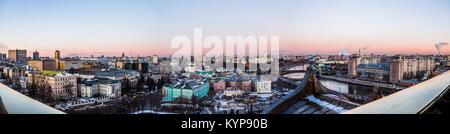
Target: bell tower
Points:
(57, 62)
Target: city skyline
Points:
(84, 28)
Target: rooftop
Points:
(186, 84)
(373, 66)
(53, 73)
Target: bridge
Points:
(290, 82)
(291, 71)
(311, 97)
(361, 82)
(289, 67)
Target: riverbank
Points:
(361, 82)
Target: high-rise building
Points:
(36, 55)
(353, 63)
(2, 56)
(17, 55)
(155, 59)
(410, 68)
(396, 69)
(448, 60)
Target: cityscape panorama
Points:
(224, 57)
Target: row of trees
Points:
(40, 88)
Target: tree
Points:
(160, 83)
(71, 70)
(127, 86)
(68, 88)
(33, 86)
(16, 84)
(48, 94)
(151, 84)
(250, 111)
(194, 100)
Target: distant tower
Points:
(57, 56)
(123, 54)
(359, 52)
(36, 55)
(396, 69)
(353, 63)
(155, 59)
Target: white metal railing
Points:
(17, 103)
(412, 100)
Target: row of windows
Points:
(64, 79)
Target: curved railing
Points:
(14, 102)
(413, 100)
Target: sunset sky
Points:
(146, 27)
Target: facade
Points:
(411, 68)
(135, 65)
(245, 85)
(155, 59)
(14, 72)
(353, 63)
(408, 68)
(2, 56)
(219, 85)
(36, 55)
(63, 85)
(88, 89)
(101, 87)
(237, 82)
(373, 72)
(132, 76)
(262, 87)
(40, 65)
(110, 88)
(396, 69)
(17, 55)
(185, 90)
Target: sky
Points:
(147, 27)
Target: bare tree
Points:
(68, 89)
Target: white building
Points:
(63, 85)
(102, 87)
(155, 59)
(262, 86)
(88, 88)
(110, 88)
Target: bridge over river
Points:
(312, 97)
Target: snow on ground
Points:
(151, 112)
(264, 95)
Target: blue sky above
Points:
(83, 27)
